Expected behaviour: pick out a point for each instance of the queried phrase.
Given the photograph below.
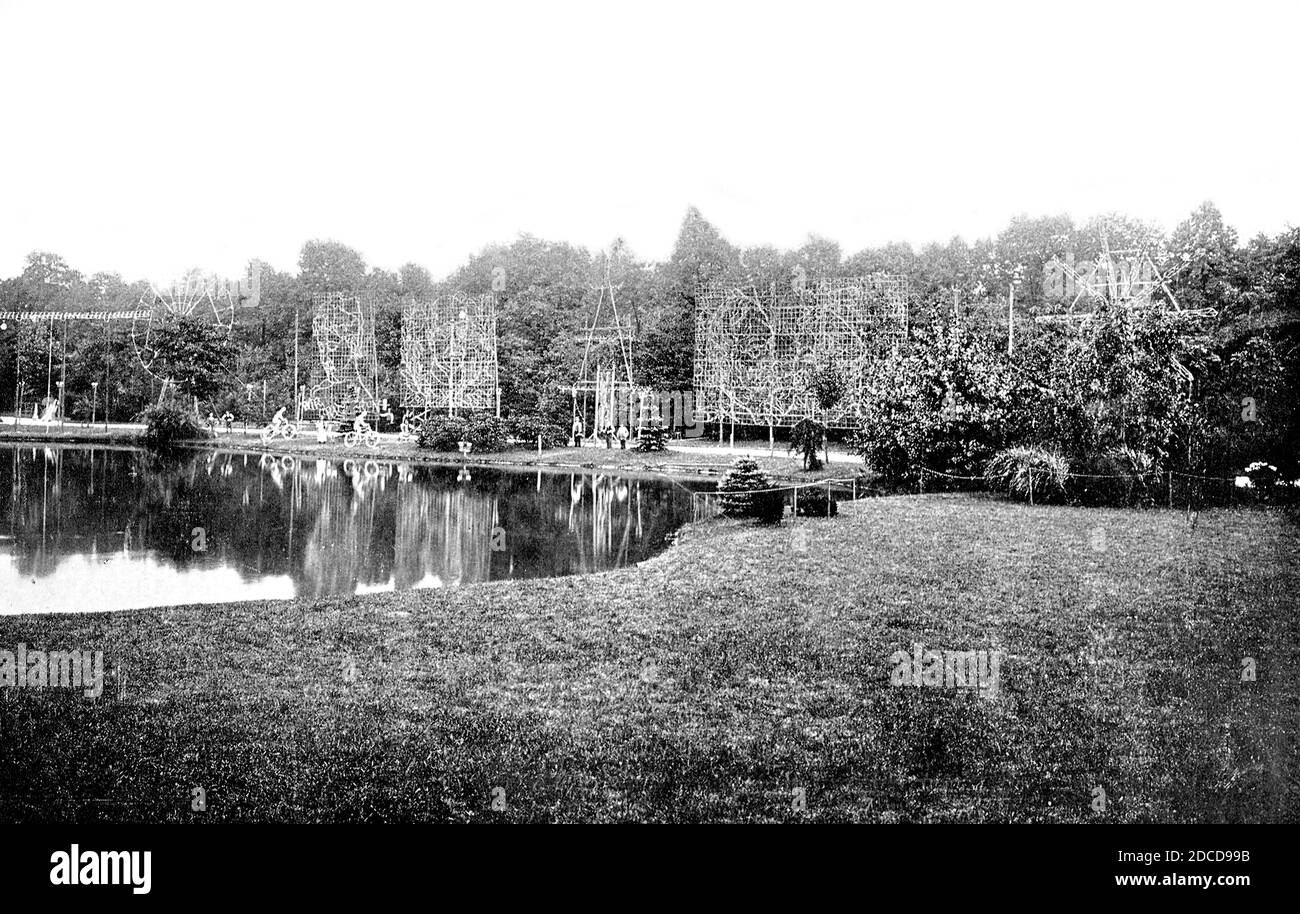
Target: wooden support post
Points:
(1011, 327)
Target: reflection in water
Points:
(113, 528)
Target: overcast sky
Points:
(148, 138)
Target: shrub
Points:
(167, 426)
(946, 401)
(743, 495)
(485, 432)
(442, 433)
(768, 507)
(654, 437)
(1030, 472)
(1266, 483)
(527, 426)
(445, 433)
(812, 503)
(1119, 477)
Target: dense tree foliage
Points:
(1215, 396)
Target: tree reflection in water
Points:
(80, 520)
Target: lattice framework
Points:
(755, 349)
(345, 378)
(1128, 277)
(449, 353)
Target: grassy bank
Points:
(715, 682)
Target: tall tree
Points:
(1205, 260)
(330, 266)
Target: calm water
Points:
(98, 529)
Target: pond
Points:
(86, 529)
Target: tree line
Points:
(1248, 350)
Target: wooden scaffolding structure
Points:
(345, 377)
(449, 354)
(756, 349)
(604, 393)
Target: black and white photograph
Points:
(872, 414)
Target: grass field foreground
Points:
(742, 675)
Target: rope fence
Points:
(1182, 490)
(1179, 489)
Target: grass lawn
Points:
(742, 675)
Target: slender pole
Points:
(1011, 327)
(18, 377)
(49, 361)
(63, 377)
(297, 403)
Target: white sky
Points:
(148, 138)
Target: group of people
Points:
(359, 424)
(608, 434)
(227, 419)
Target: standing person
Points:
(229, 418)
(577, 431)
(622, 437)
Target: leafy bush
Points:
(742, 492)
(485, 432)
(1266, 483)
(654, 437)
(768, 507)
(527, 426)
(442, 433)
(947, 401)
(1118, 380)
(1119, 476)
(445, 433)
(812, 503)
(1029, 472)
(167, 426)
